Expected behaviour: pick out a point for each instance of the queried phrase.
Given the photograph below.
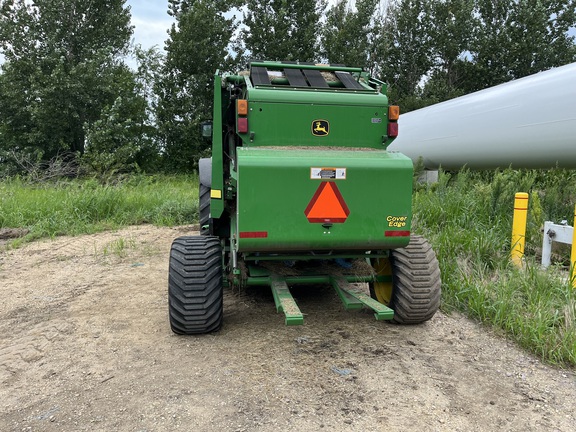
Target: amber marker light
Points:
(242, 107)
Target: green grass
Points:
(119, 247)
(86, 206)
(468, 219)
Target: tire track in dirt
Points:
(16, 354)
(85, 345)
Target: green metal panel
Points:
(311, 280)
(332, 96)
(217, 205)
(288, 117)
(276, 187)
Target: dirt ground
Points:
(85, 344)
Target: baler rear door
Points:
(303, 199)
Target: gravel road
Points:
(85, 345)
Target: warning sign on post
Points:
(328, 173)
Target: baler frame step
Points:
(285, 302)
(352, 297)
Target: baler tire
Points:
(195, 286)
(416, 282)
(204, 210)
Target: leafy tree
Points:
(439, 49)
(407, 56)
(539, 31)
(516, 38)
(125, 137)
(149, 72)
(349, 36)
(283, 29)
(491, 44)
(62, 66)
(451, 22)
(111, 147)
(198, 45)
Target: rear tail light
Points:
(392, 130)
(242, 125)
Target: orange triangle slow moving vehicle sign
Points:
(327, 205)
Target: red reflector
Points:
(242, 125)
(392, 130)
(397, 233)
(254, 234)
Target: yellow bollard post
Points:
(519, 228)
(573, 253)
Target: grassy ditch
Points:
(86, 206)
(468, 219)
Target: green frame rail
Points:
(285, 302)
(352, 297)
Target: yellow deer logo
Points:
(320, 127)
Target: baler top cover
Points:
(291, 104)
(307, 75)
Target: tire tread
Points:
(195, 291)
(417, 282)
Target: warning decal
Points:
(328, 173)
(327, 205)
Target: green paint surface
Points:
(287, 116)
(275, 188)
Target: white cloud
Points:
(151, 21)
(149, 32)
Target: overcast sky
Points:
(151, 21)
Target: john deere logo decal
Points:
(320, 128)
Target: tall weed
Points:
(86, 206)
(468, 218)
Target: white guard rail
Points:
(561, 233)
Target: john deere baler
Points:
(300, 175)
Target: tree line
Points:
(68, 97)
